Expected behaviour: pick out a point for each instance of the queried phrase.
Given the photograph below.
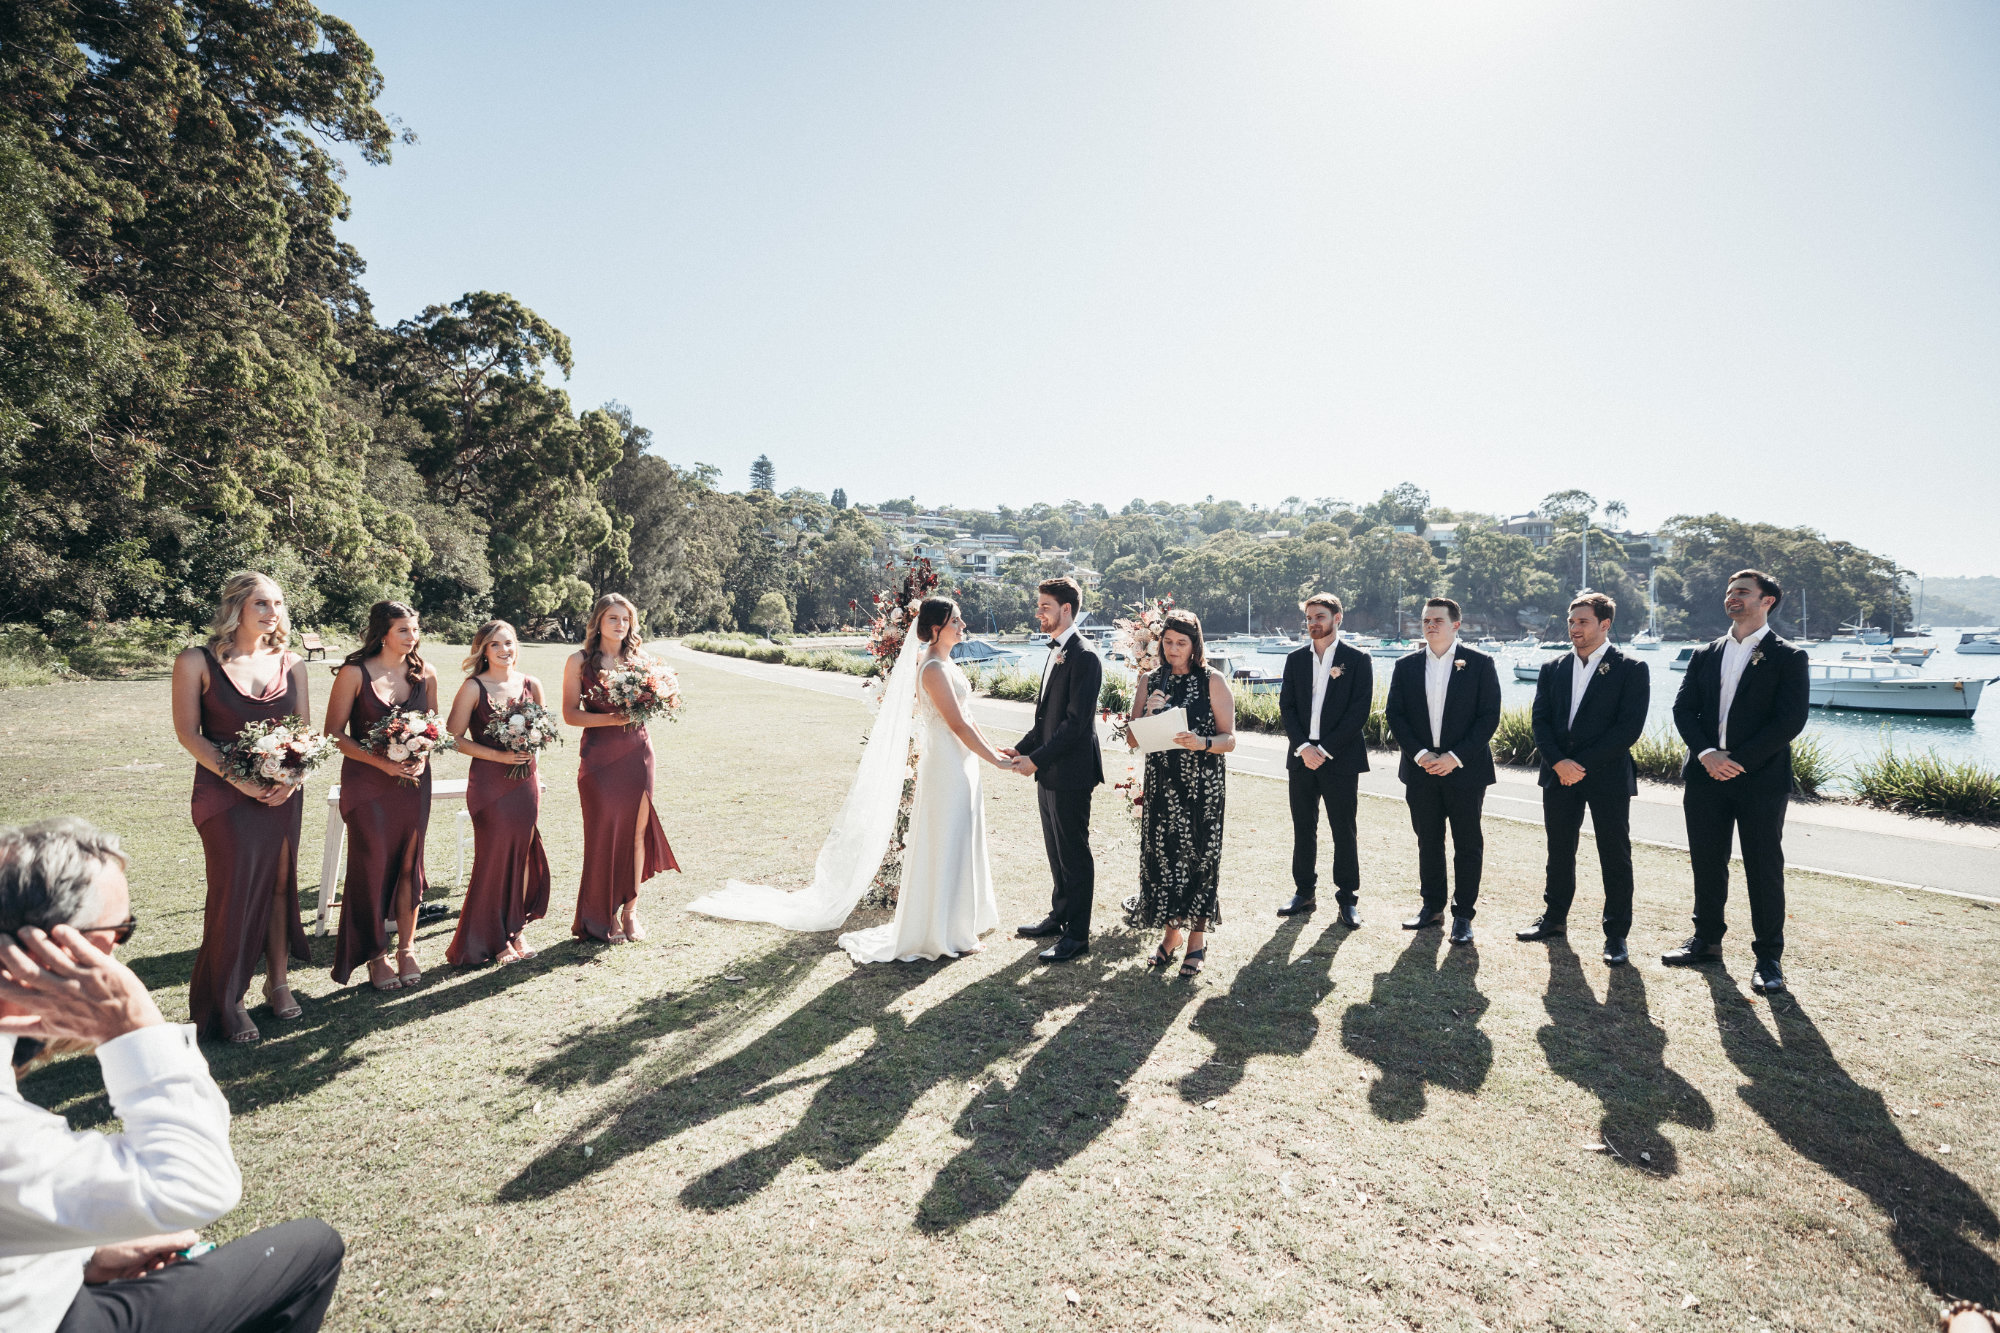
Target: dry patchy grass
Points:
(729, 1126)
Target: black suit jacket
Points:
(1342, 714)
(1608, 723)
(1769, 710)
(1063, 741)
(1471, 715)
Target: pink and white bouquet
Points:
(642, 690)
(524, 729)
(278, 752)
(406, 734)
(1140, 632)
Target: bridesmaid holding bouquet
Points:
(386, 803)
(510, 872)
(249, 833)
(623, 843)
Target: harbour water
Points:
(1850, 736)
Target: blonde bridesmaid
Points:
(510, 872)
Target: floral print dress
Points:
(1180, 838)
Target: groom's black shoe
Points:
(1064, 949)
(1425, 918)
(1302, 904)
(1048, 925)
(1349, 917)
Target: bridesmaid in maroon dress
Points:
(623, 843)
(249, 834)
(386, 805)
(510, 872)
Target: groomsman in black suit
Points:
(1590, 709)
(1324, 701)
(1061, 754)
(1742, 702)
(1444, 706)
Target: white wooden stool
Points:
(336, 844)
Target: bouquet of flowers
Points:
(406, 734)
(895, 615)
(1140, 631)
(277, 753)
(642, 690)
(524, 729)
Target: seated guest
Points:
(94, 1228)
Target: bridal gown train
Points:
(946, 902)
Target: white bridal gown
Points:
(946, 902)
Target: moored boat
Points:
(1890, 687)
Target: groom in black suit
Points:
(1062, 756)
(1328, 688)
(1741, 704)
(1444, 706)
(1590, 710)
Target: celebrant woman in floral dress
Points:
(385, 803)
(623, 843)
(503, 792)
(1180, 840)
(249, 834)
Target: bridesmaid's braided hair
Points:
(593, 635)
(380, 617)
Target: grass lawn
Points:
(727, 1126)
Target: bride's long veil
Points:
(860, 835)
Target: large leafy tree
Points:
(501, 440)
(180, 166)
(1495, 576)
(681, 534)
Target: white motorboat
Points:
(1528, 671)
(1490, 645)
(1890, 687)
(1392, 648)
(1682, 658)
(1858, 633)
(1277, 644)
(1907, 654)
(976, 652)
(1980, 641)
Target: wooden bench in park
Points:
(314, 648)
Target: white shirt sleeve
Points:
(171, 1169)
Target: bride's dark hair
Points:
(935, 613)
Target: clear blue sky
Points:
(1695, 256)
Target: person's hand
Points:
(136, 1258)
(1187, 740)
(1312, 757)
(1569, 772)
(1010, 752)
(1024, 766)
(1720, 766)
(70, 988)
(412, 768)
(1440, 765)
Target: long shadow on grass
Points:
(299, 1058)
(1420, 1026)
(1617, 1053)
(1818, 1109)
(860, 1104)
(1067, 1095)
(1271, 1009)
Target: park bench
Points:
(314, 648)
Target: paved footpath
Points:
(1829, 838)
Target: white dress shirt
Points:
(1580, 672)
(1056, 645)
(65, 1192)
(1736, 655)
(1437, 680)
(1321, 663)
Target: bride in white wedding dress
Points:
(946, 900)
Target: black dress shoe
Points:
(1696, 950)
(1424, 919)
(1545, 928)
(1064, 949)
(1461, 930)
(1349, 917)
(1048, 925)
(1766, 979)
(1614, 952)
(1300, 905)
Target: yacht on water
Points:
(1645, 641)
(1277, 643)
(1979, 641)
(1890, 687)
(1682, 658)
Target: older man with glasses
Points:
(96, 1229)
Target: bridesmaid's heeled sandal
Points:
(286, 1011)
(1191, 965)
(388, 983)
(634, 931)
(246, 1034)
(614, 937)
(1162, 957)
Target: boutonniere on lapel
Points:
(1604, 668)
(1757, 657)
(1334, 672)
(1056, 658)
(1458, 664)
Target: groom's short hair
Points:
(1325, 599)
(1066, 590)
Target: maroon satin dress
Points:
(510, 872)
(252, 851)
(386, 819)
(614, 769)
